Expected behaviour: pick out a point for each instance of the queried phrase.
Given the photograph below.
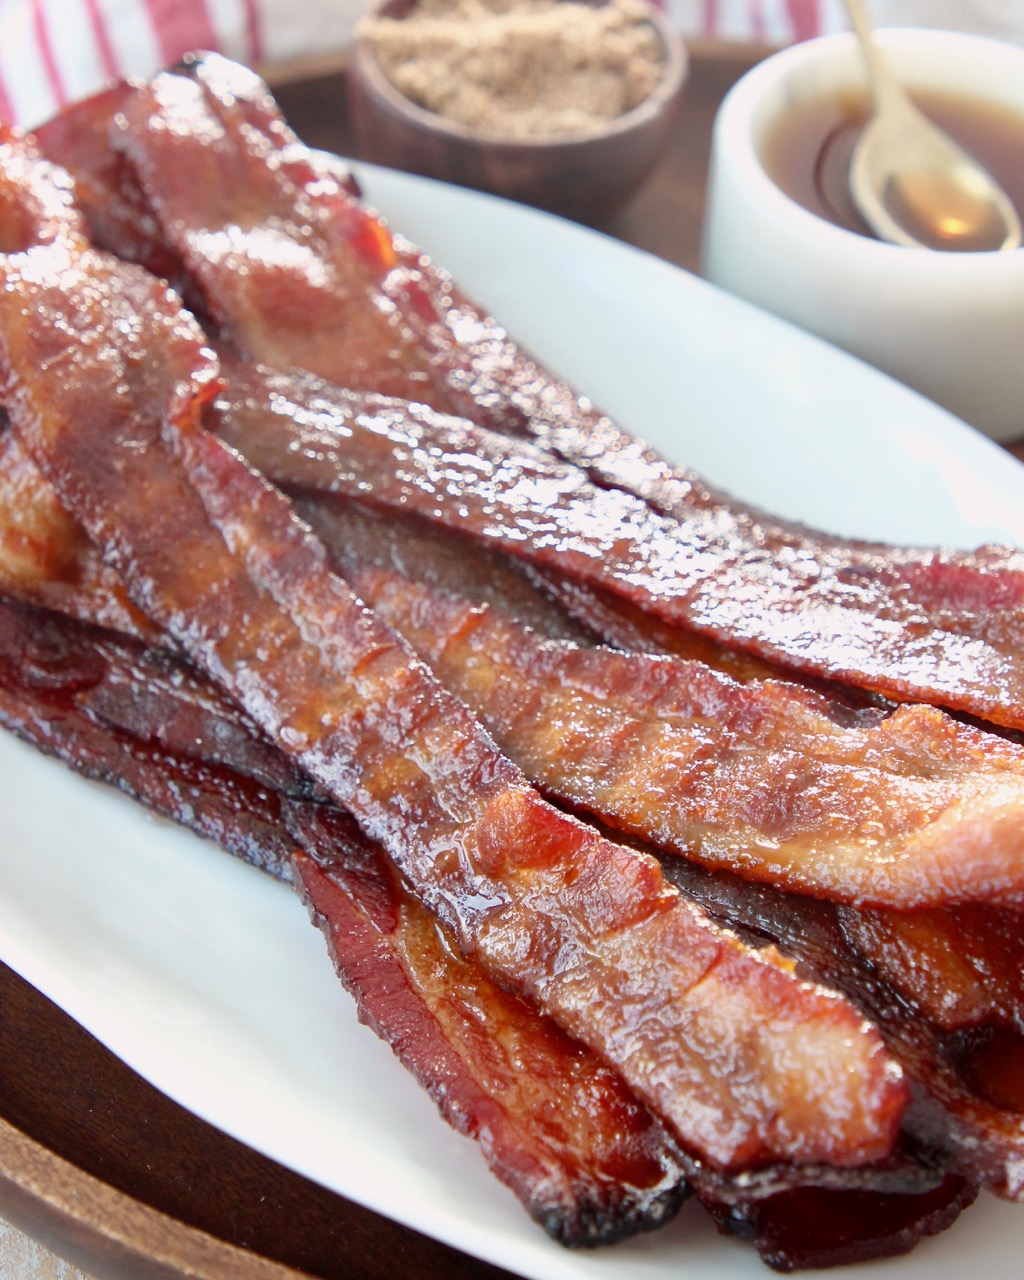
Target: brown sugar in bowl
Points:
(588, 173)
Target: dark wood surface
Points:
(108, 1172)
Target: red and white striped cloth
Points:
(781, 22)
(54, 51)
(774, 22)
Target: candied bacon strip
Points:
(305, 434)
(585, 1159)
(817, 1227)
(861, 1223)
(623, 626)
(79, 140)
(46, 559)
(746, 1064)
(968, 1085)
(775, 782)
(825, 588)
(432, 556)
(55, 684)
(318, 284)
(962, 967)
(588, 1161)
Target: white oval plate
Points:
(207, 978)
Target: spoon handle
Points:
(884, 86)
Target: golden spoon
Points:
(910, 182)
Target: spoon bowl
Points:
(949, 324)
(911, 182)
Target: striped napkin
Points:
(54, 51)
(781, 22)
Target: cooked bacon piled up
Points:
(408, 717)
(298, 276)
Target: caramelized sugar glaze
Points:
(934, 645)
(910, 1170)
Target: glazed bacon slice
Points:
(309, 436)
(786, 594)
(588, 1161)
(816, 1227)
(962, 967)
(106, 191)
(319, 283)
(62, 683)
(431, 556)
(46, 559)
(747, 1064)
(968, 1083)
(769, 780)
(79, 140)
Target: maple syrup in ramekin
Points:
(807, 151)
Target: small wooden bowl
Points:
(587, 176)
